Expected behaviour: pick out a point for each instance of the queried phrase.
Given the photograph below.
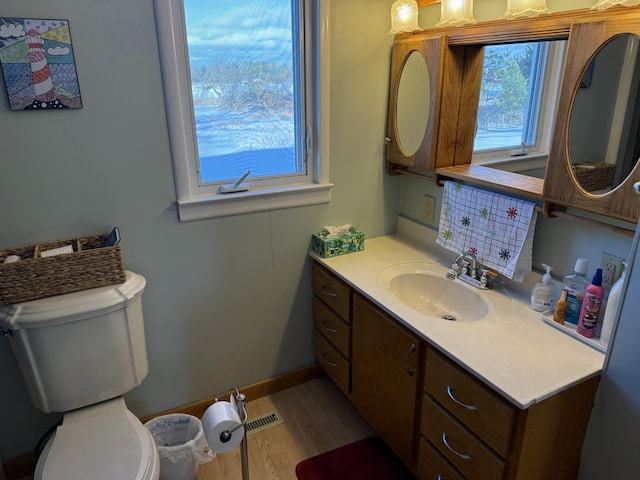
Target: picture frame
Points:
(38, 64)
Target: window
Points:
(520, 85)
(242, 85)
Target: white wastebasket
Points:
(182, 445)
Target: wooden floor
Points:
(317, 418)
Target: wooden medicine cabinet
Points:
(446, 147)
(598, 101)
(429, 82)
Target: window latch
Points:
(239, 186)
(308, 142)
(519, 153)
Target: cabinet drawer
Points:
(332, 362)
(464, 451)
(332, 291)
(431, 465)
(332, 327)
(483, 412)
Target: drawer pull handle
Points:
(446, 444)
(473, 408)
(410, 371)
(330, 330)
(330, 294)
(331, 364)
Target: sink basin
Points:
(430, 293)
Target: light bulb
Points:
(525, 8)
(404, 17)
(454, 13)
(604, 4)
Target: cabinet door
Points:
(386, 362)
(414, 101)
(432, 110)
(572, 155)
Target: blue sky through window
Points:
(228, 30)
(241, 57)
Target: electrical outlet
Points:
(429, 208)
(611, 269)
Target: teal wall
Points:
(228, 301)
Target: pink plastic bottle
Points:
(591, 306)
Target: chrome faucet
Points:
(467, 269)
(469, 263)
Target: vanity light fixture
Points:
(525, 8)
(454, 13)
(604, 4)
(404, 17)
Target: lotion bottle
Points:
(542, 293)
(560, 312)
(591, 303)
(612, 307)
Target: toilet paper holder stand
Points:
(225, 436)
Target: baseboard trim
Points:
(24, 465)
(252, 392)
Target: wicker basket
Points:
(91, 265)
(594, 175)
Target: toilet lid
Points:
(100, 444)
(72, 307)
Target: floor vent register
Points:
(264, 421)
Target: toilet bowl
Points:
(78, 354)
(101, 442)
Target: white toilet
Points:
(78, 354)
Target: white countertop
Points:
(511, 349)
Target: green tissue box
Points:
(332, 246)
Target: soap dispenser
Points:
(542, 293)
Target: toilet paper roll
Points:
(219, 418)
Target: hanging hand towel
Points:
(497, 228)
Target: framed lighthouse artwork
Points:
(38, 65)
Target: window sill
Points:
(252, 201)
(531, 161)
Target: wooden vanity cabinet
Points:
(469, 431)
(441, 420)
(386, 376)
(332, 322)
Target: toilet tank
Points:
(81, 348)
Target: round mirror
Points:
(412, 108)
(604, 133)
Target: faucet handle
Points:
(464, 270)
(453, 271)
(487, 277)
(474, 272)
